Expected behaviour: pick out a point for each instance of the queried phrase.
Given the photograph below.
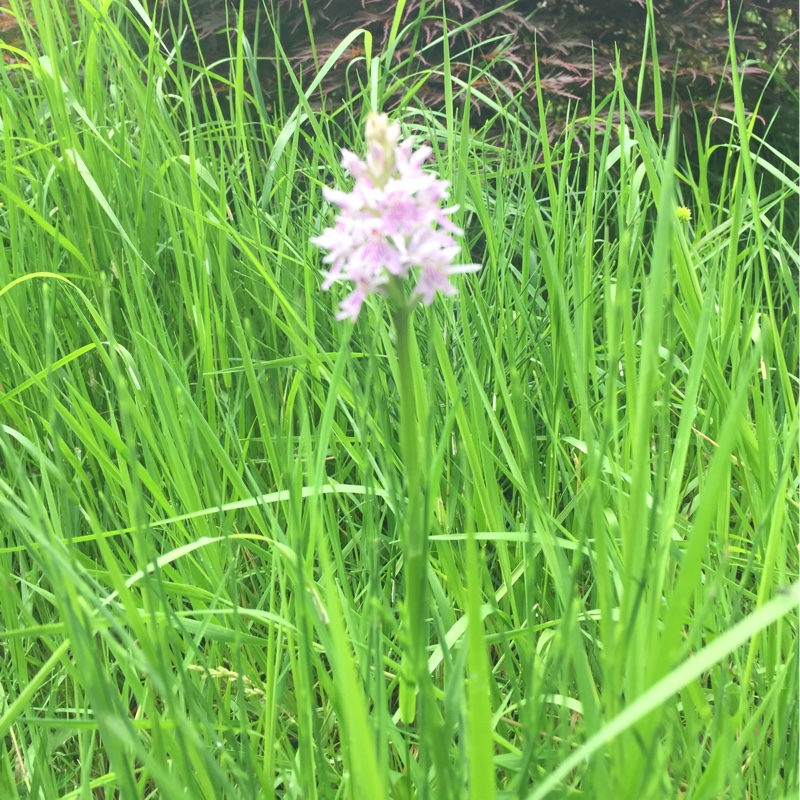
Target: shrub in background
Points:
(496, 49)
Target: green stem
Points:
(415, 538)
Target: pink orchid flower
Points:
(391, 223)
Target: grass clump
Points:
(201, 488)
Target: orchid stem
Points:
(415, 539)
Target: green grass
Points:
(201, 489)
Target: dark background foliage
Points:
(496, 48)
(575, 42)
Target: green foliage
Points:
(200, 488)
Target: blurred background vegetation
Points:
(575, 46)
(564, 49)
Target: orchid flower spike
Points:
(390, 224)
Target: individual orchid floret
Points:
(390, 223)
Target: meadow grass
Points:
(201, 485)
